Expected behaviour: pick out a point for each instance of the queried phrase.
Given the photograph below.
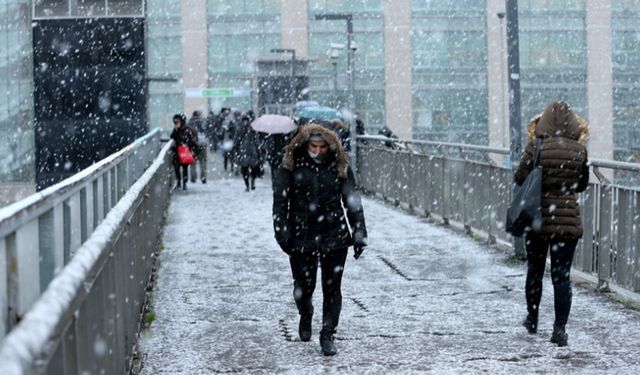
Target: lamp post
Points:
(292, 86)
(350, 50)
(334, 54)
(515, 117)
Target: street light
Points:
(334, 54)
(350, 50)
(515, 120)
(292, 87)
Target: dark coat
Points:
(274, 146)
(184, 135)
(308, 198)
(246, 150)
(565, 171)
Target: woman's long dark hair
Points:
(181, 117)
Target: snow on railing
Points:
(41, 233)
(466, 186)
(87, 319)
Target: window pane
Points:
(51, 8)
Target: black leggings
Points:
(177, 166)
(561, 258)
(249, 174)
(304, 268)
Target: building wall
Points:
(625, 47)
(553, 55)
(239, 32)
(449, 76)
(164, 62)
(16, 93)
(369, 62)
(398, 78)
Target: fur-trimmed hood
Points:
(298, 145)
(559, 119)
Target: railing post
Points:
(604, 250)
(4, 297)
(24, 270)
(51, 242)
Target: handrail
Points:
(25, 210)
(463, 146)
(475, 195)
(32, 344)
(602, 163)
(41, 233)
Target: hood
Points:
(558, 120)
(299, 143)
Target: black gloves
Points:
(357, 251)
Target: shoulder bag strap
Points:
(538, 149)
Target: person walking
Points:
(229, 130)
(563, 158)
(199, 125)
(246, 153)
(182, 135)
(313, 188)
(274, 145)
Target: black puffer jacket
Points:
(246, 149)
(564, 170)
(308, 198)
(184, 135)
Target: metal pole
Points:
(293, 78)
(335, 80)
(515, 117)
(352, 104)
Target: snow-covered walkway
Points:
(422, 299)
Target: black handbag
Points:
(525, 212)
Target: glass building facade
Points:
(553, 54)
(239, 32)
(449, 78)
(626, 79)
(449, 70)
(164, 62)
(368, 35)
(16, 93)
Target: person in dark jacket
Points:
(312, 186)
(563, 158)
(182, 135)
(342, 131)
(274, 145)
(199, 125)
(246, 153)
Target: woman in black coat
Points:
(182, 135)
(312, 190)
(246, 153)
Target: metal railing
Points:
(463, 185)
(41, 233)
(87, 320)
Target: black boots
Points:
(559, 336)
(304, 328)
(531, 324)
(327, 345)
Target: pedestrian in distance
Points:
(199, 124)
(313, 188)
(229, 130)
(182, 135)
(563, 158)
(247, 154)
